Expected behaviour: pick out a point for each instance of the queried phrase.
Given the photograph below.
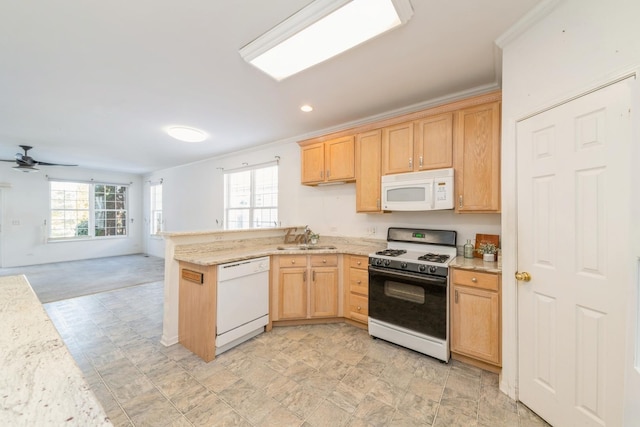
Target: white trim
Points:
(527, 21)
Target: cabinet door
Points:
(475, 330)
(313, 163)
(397, 148)
(434, 142)
(368, 171)
(292, 295)
(339, 159)
(324, 292)
(477, 159)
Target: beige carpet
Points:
(64, 280)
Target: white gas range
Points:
(408, 290)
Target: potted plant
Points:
(488, 251)
(313, 238)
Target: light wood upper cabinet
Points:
(419, 145)
(368, 171)
(475, 316)
(312, 163)
(332, 160)
(397, 148)
(477, 158)
(434, 142)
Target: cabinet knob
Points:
(474, 280)
(324, 261)
(359, 308)
(359, 262)
(359, 281)
(293, 261)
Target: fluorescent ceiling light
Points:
(187, 134)
(322, 30)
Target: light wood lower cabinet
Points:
(357, 288)
(197, 309)
(305, 286)
(475, 317)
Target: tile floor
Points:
(321, 375)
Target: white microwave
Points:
(418, 191)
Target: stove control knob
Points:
(387, 262)
(422, 268)
(433, 269)
(403, 265)
(378, 261)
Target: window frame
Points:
(252, 208)
(91, 210)
(153, 209)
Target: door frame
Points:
(509, 226)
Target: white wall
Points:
(193, 200)
(578, 46)
(25, 208)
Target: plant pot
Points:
(314, 240)
(489, 257)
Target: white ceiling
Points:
(96, 82)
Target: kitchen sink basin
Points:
(305, 247)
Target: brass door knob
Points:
(523, 277)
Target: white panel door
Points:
(573, 228)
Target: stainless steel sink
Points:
(305, 247)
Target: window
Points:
(81, 210)
(251, 198)
(156, 222)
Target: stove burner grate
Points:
(391, 252)
(434, 257)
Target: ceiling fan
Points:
(26, 163)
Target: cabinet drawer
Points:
(358, 307)
(359, 261)
(328, 260)
(476, 279)
(292, 261)
(359, 281)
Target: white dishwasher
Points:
(243, 301)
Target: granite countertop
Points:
(41, 383)
(476, 264)
(224, 255)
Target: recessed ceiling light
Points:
(187, 134)
(306, 108)
(323, 29)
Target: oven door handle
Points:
(440, 281)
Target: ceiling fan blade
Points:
(35, 162)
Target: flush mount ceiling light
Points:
(322, 30)
(306, 108)
(186, 134)
(25, 168)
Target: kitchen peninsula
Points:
(209, 248)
